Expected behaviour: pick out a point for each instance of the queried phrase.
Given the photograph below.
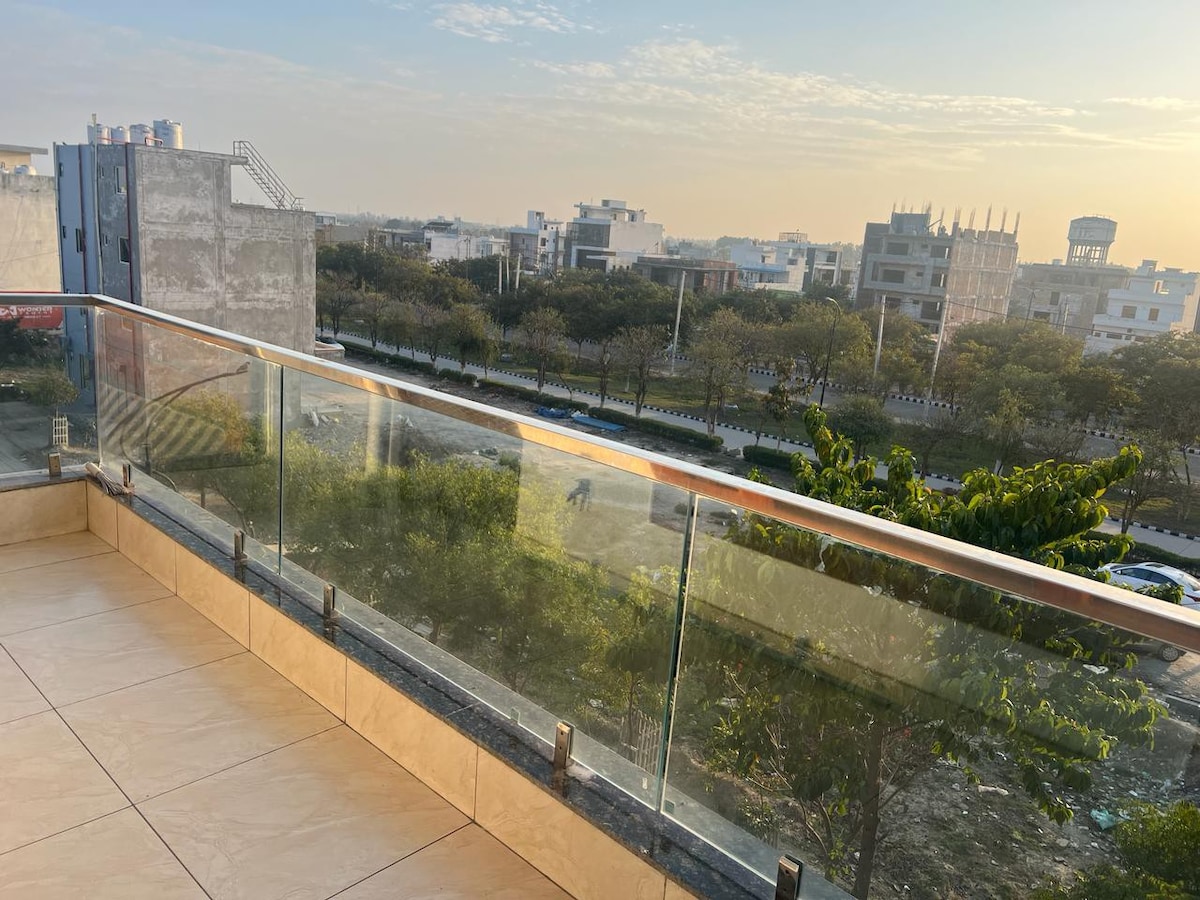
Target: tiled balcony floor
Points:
(143, 753)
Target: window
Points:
(123, 249)
(120, 173)
(897, 248)
(63, 229)
(938, 280)
(78, 240)
(1054, 297)
(1042, 315)
(892, 276)
(1153, 314)
(931, 309)
(940, 252)
(1159, 288)
(1128, 312)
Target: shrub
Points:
(769, 457)
(661, 429)
(467, 378)
(533, 396)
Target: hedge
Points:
(679, 433)
(533, 396)
(467, 378)
(768, 456)
(393, 359)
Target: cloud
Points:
(1158, 104)
(580, 69)
(496, 24)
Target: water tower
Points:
(1089, 238)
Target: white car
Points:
(1138, 576)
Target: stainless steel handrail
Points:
(1061, 590)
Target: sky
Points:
(717, 118)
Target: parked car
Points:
(1138, 576)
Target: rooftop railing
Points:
(906, 714)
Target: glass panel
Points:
(894, 726)
(46, 387)
(545, 585)
(200, 426)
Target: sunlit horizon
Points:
(716, 124)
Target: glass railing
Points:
(910, 716)
(47, 386)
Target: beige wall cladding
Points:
(415, 738)
(675, 892)
(146, 546)
(574, 854)
(102, 515)
(42, 511)
(213, 594)
(314, 666)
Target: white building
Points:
(538, 247)
(444, 240)
(791, 263)
(1156, 301)
(610, 235)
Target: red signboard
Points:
(34, 316)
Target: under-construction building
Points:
(1070, 295)
(942, 277)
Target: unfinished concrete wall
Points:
(28, 233)
(246, 269)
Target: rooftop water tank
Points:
(98, 134)
(141, 134)
(119, 134)
(169, 133)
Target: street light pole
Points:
(879, 336)
(829, 350)
(678, 316)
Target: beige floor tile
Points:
(157, 736)
(48, 782)
(442, 872)
(558, 841)
(18, 696)
(59, 592)
(42, 511)
(114, 858)
(302, 822)
(50, 550)
(87, 657)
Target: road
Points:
(738, 438)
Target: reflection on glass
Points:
(46, 404)
(889, 723)
(197, 419)
(555, 577)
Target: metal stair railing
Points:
(266, 177)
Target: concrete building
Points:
(28, 230)
(610, 235)
(445, 240)
(701, 276)
(789, 264)
(538, 247)
(936, 275)
(1155, 302)
(1069, 296)
(156, 226)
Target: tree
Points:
(468, 330)
(777, 402)
(51, 389)
(720, 352)
(1154, 478)
(543, 330)
(863, 421)
(636, 349)
(865, 689)
(372, 307)
(336, 295)
(401, 325)
(431, 330)
(939, 427)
